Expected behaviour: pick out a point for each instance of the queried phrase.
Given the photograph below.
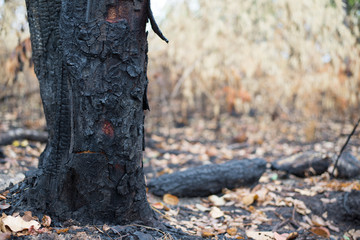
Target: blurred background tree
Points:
(20, 103)
(269, 59)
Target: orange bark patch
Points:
(112, 15)
(86, 152)
(117, 12)
(108, 129)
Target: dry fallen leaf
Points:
(301, 207)
(207, 234)
(62, 230)
(202, 207)
(16, 143)
(262, 195)
(240, 138)
(165, 171)
(217, 201)
(170, 199)
(249, 199)
(327, 201)
(232, 231)
(5, 236)
(216, 212)
(251, 209)
(33, 231)
(332, 227)
(317, 221)
(17, 224)
(355, 234)
(278, 236)
(2, 227)
(28, 216)
(4, 206)
(46, 221)
(158, 205)
(260, 235)
(306, 192)
(292, 236)
(321, 231)
(212, 151)
(106, 228)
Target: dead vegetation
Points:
(266, 58)
(273, 57)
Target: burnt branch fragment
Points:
(344, 146)
(303, 164)
(348, 166)
(351, 203)
(22, 134)
(209, 179)
(154, 25)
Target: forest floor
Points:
(280, 206)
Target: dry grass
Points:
(275, 57)
(270, 57)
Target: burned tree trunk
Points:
(91, 58)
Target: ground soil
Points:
(313, 207)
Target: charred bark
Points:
(91, 59)
(209, 179)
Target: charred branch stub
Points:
(154, 25)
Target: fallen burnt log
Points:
(351, 203)
(21, 134)
(303, 164)
(348, 166)
(209, 179)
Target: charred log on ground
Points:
(22, 134)
(209, 179)
(303, 164)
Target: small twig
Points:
(154, 25)
(279, 216)
(102, 232)
(163, 215)
(166, 235)
(289, 221)
(118, 233)
(344, 146)
(280, 225)
(293, 213)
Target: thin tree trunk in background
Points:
(91, 58)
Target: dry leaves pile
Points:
(27, 224)
(242, 211)
(274, 209)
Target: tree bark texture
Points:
(91, 58)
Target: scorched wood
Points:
(209, 179)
